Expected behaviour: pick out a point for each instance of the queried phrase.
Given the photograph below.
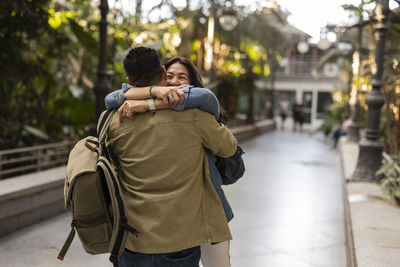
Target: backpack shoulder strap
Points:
(103, 124)
(102, 127)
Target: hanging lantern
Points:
(303, 47)
(228, 19)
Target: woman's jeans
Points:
(184, 258)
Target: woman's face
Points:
(177, 74)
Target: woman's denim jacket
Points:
(195, 97)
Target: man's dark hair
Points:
(142, 66)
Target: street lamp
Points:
(324, 43)
(370, 153)
(228, 19)
(102, 86)
(303, 47)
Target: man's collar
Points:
(125, 87)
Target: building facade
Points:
(300, 76)
(300, 80)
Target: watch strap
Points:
(152, 106)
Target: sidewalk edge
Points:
(350, 249)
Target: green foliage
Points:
(41, 61)
(81, 115)
(57, 18)
(23, 22)
(85, 38)
(333, 117)
(49, 56)
(391, 88)
(390, 173)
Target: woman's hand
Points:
(130, 107)
(171, 95)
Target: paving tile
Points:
(329, 256)
(273, 260)
(242, 247)
(376, 256)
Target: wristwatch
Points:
(152, 106)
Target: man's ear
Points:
(164, 73)
(129, 80)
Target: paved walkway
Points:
(288, 212)
(374, 217)
(288, 208)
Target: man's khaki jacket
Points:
(165, 177)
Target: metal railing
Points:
(25, 160)
(307, 67)
(300, 67)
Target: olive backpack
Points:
(92, 193)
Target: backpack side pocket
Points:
(90, 214)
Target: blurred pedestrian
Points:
(283, 110)
(341, 130)
(268, 109)
(298, 115)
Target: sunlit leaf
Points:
(55, 20)
(253, 52)
(119, 67)
(196, 44)
(85, 38)
(120, 34)
(256, 69)
(357, 81)
(267, 70)
(75, 90)
(40, 83)
(264, 56)
(36, 132)
(68, 14)
(233, 67)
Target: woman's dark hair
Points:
(223, 115)
(195, 80)
(194, 75)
